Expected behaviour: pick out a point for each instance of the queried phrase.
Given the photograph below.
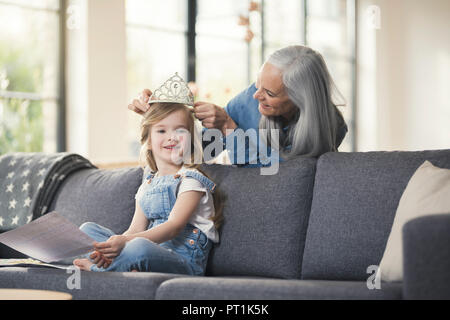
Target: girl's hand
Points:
(100, 260)
(112, 247)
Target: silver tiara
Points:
(173, 90)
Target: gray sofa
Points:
(308, 232)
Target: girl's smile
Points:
(172, 146)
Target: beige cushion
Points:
(427, 192)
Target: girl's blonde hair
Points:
(156, 113)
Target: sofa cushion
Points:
(219, 288)
(105, 197)
(265, 219)
(427, 193)
(354, 203)
(92, 285)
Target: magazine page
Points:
(49, 238)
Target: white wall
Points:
(76, 82)
(404, 76)
(96, 80)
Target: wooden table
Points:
(31, 294)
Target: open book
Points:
(47, 239)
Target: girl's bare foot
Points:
(83, 264)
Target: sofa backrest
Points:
(265, 222)
(265, 217)
(354, 203)
(105, 197)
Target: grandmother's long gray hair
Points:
(310, 88)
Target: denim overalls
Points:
(186, 254)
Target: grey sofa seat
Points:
(93, 285)
(224, 288)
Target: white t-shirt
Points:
(205, 209)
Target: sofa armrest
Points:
(426, 258)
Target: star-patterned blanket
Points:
(29, 181)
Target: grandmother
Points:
(293, 94)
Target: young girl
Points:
(176, 218)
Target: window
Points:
(330, 29)
(221, 51)
(156, 49)
(30, 69)
(227, 58)
(283, 24)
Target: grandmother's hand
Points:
(213, 116)
(140, 105)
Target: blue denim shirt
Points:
(243, 109)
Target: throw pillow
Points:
(427, 193)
